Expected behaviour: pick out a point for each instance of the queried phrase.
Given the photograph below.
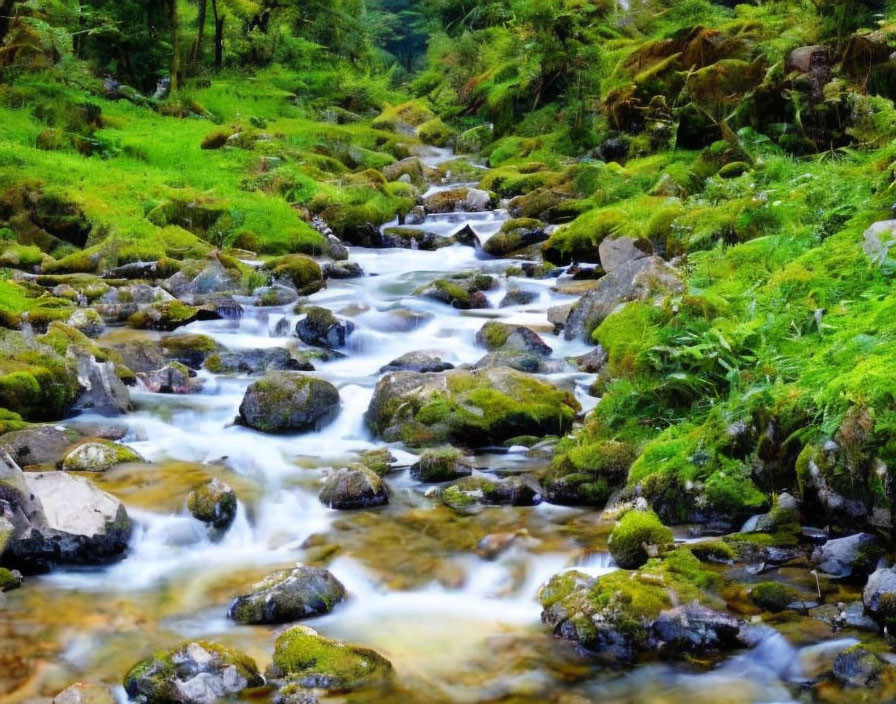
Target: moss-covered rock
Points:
(463, 291)
(98, 456)
(194, 673)
(303, 657)
(483, 491)
(435, 132)
(213, 502)
(289, 595)
(287, 401)
(351, 488)
(638, 536)
(9, 579)
(190, 349)
(503, 336)
(35, 381)
(515, 234)
(468, 407)
(773, 596)
(441, 464)
(164, 316)
(473, 140)
(588, 474)
(321, 328)
(302, 272)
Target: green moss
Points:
(164, 316)
(435, 132)
(303, 656)
(773, 596)
(302, 272)
(588, 474)
(712, 551)
(9, 580)
(635, 530)
(35, 381)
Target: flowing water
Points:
(458, 627)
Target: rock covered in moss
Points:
(503, 336)
(773, 596)
(441, 464)
(638, 536)
(380, 461)
(857, 667)
(484, 491)
(464, 291)
(414, 238)
(320, 328)
(173, 378)
(255, 361)
(417, 362)
(475, 408)
(665, 609)
(351, 488)
(164, 316)
(87, 321)
(213, 502)
(10, 579)
(853, 556)
(435, 132)
(305, 658)
(879, 597)
(289, 595)
(474, 139)
(190, 350)
(301, 272)
(194, 673)
(468, 200)
(515, 234)
(587, 474)
(98, 456)
(287, 401)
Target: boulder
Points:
(72, 522)
(635, 280)
(351, 488)
(38, 445)
(307, 659)
(194, 673)
(502, 336)
(214, 503)
(103, 391)
(515, 235)
(879, 596)
(213, 278)
(289, 595)
(468, 200)
(853, 556)
(255, 361)
(320, 328)
(475, 408)
(342, 270)
(483, 491)
(441, 465)
(173, 378)
(98, 456)
(190, 350)
(87, 321)
(638, 536)
(463, 291)
(518, 297)
(529, 362)
(287, 401)
(301, 272)
(694, 629)
(857, 667)
(416, 362)
(414, 238)
(142, 355)
(614, 252)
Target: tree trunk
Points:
(200, 32)
(219, 36)
(5, 12)
(174, 22)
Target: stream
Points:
(457, 626)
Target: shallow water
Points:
(458, 627)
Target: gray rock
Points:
(81, 693)
(352, 488)
(417, 362)
(38, 445)
(256, 361)
(103, 391)
(857, 667)
(614, 252)
(213, 279)
(521, 361)
(214, 502)
(592, 362)
(518, 297)
(879, 595)
(854, 556)
(142, 355)
(194, 673)
(87, 321)
(879, 239)
(98, 457)
(289, 595)
(173, 378)
(502, 336)
(694, 629)
(287, 401)
(342, 270)
(320, 328)
(484, 491)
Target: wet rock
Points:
(103, 391)
(275, 296)
(853, 556)
(294, 694)
(515, 235)
(213, 502)
(167, 316)
(287, 401)
(518, 297)
(474, 408)
(463, 291)
(213, 278)
(194, 673)
(76, 523)
(441, 465)
(87, 321)
(502, 336)
(417, 362)
(320, 328)
(351, 488)
(38, 445)
(342, 270)
(879, 596)
(467, 200)
(85, 694)
(615, 252)
(413, 167)
(637, 280)
(142, 355)
(413, 238)
(694, 629)
(857, 667)
(494, 544)
(301, 272)
(592, 362)
(528, 362)
(482, 491)
(289, 595)
(98, 456)
(191, 349)
(307, 659)
(173, 378)
(255, 361)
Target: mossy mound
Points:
(302, 272)
(638, 536)
(435, 132)
(515, 235)
(463, 291)
(164, 316)
(773, 596)
(474, 408)
(303, 657)
(476, 491)
(36, 383)
(441, 464)
(587, 474)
